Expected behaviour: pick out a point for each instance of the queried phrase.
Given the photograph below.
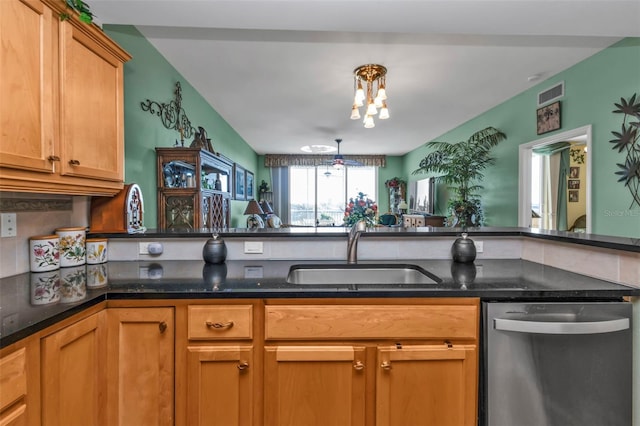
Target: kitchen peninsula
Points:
(205, 321)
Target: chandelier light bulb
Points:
(371, 109)
(384, 111)
(360, 93)
(382, 93)
(355, 113)
(378, 102)
(358, 102)
(368, 122)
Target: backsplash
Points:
(36, 214)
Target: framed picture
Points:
(239, 192)
(573, 196)
(574, 172)
(548, 118)
(249, 185)
(574, 184)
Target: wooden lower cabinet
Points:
(314, 385)
(220, 385)
(19, 383)
(74, 374)
(426, 385)
(140, 359)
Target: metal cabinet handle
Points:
(543, 327)
(386, 365)
(53, 158)
(219, 325)
(74, 162)
(162, 326)
(358, 366)
(243, 365)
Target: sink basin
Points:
(369, 274)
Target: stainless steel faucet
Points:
(352, 244)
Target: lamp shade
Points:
(266, 208)
(253, 208)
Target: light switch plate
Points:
(479, 246)
(9, 225)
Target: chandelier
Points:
(374, 78)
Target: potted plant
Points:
(84, 14)
(460, 165)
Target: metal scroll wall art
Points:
(628, 140)
(172, 114)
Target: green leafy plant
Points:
(627, 139)
(84, 13)
(461, 166)
(359, 208)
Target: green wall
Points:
(591, 88)
(149, 76)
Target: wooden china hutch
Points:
(194, 188)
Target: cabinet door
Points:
(26, 67)
(314, 385)
(426, 385)
(220, 385)
(74, 374)
(140, 361)
(92, 138)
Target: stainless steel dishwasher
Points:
(557, 364)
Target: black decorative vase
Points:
(214, 275)
(463, 274)
(463, 249)
(214, 250)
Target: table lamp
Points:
(254, 211)
(266, 208)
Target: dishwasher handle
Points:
(546, 327)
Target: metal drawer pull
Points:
(358, 365)
(162, 326)
(386, 365)
(74, 162)
(591, 327)
(219, 325)
(243, 365)
(53, 158)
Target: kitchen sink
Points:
(369, 274)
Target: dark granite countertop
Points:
(604, 241)
(23, 307)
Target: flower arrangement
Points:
(395, 182)
(359, 208)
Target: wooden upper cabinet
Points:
(61, 108)
(92, 143)
(26, 85)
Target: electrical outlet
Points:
(143, 248)
(253, 247)
(479, 246)
(9, 225)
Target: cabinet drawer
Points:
(371, 322)
(13, 378)
(220, 322)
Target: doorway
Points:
(578, 183)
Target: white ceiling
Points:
(280, 72)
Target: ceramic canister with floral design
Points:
(96, 250)
(44, 253)
(72, 246)
(45, 287)
(73, 284)
(97, 275)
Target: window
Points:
(318, 195)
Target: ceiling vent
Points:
(551, 94)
